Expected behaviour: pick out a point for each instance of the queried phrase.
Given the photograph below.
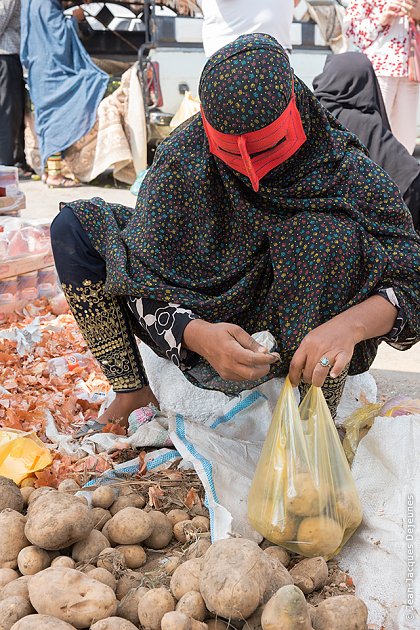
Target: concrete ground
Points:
(395, 372)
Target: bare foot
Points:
(126, 402)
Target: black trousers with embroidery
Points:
(106, 323)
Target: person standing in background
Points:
(348, 88)
(65, 85)
(225, 20)
(12, 90)
(379, 29)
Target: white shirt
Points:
(225, 20)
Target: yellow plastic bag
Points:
(21, 454)
(357, 425)
(303, 496)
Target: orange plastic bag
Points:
(21, 454)
(303, 496)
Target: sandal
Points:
(60, 181)
(25, 173)
(89, 428)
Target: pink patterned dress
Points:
(386, 46)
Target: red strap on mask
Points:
(256, 153)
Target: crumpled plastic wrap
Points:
(360, 421)
(21, 454)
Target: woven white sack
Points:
(383, 556)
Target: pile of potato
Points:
(306, 519)
(119, 565)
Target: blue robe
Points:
(65, 85)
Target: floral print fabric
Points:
(165, 324)
(326, 229)
(386, 46)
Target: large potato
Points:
(71, 596)
(198, 548)
(176, 516)
(39, 492)
(104, 576)
(284, 532)
(10, 495)
(287, 610)
(32, 559)
(12, 609)
(192, 604)
(179, 621)
(279, 553)
(89, 548)
(201, 523)
(104, 497)
(68, 485)
(128, 607)
(41, 622)
(279, 577)
(6, 576)
(234, 577)
(113, 623)
(319, 536)
(310, 574)
(130, 500)
(63, 561)
(105, 532)
(304, 498)
(28, 482)
(153, 606)
(100, 517)
(57, 520)
(12, 538)
(130, 579)
(349, 510)
(134, 555)
(184, 530)
(186, 578)
(345, 612)
(161, 535)
(130, 526)
(17, 587)
(111, 560)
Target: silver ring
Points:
(325, 362)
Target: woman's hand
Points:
(334, 340)
(234, 354)
(395, 9)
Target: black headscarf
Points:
(349, 90)
(325, 229)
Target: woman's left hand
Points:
(335, 341)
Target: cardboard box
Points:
(17, 266)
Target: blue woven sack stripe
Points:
(243, 404)
(132, 470)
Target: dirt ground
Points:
(395, 372)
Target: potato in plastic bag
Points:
(303, 496)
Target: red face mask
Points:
(256, 153)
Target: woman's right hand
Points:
(234, 354)
(395, 9)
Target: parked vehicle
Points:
(168, 48)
